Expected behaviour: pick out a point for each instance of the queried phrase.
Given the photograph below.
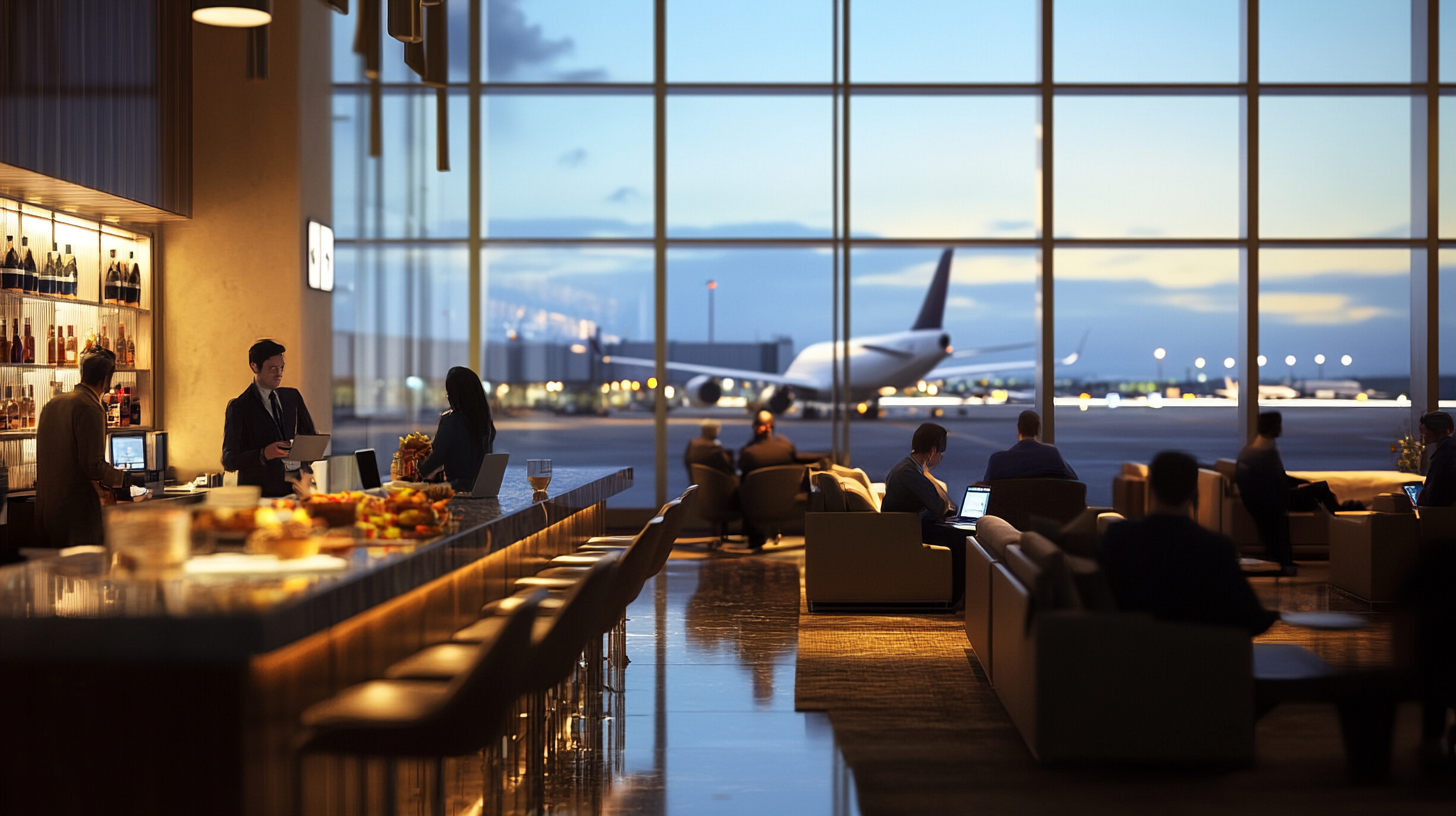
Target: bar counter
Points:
(182, 695)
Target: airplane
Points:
(1230, 390)
(1332, 389)
(898, 360)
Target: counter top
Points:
(73, 608)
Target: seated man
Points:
(1166, 564)
(1440, 487)
(910, 488)
(707, 450)
(1029, 458)
(1269, 493)
(766, 449)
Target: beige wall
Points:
(235, 272)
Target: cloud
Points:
(1295, 264)
(516, 46)
(966, 269)
(1195, 303)
(1012, 225)
(572, 158)
(1319, 309)
(1165, 269)
(961, 302)
(624, 195)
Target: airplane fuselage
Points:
(897, 360)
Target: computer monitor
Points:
(129, 451)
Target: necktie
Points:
(277, 410)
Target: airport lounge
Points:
(688, 406)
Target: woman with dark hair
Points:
(466, 433)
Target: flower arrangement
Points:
(1408, 449)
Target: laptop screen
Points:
(977, 499)
(1414, 491)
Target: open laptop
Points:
(973, 506)
(308, 448)
(488, 480)
(1412, 489)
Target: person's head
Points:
(1173, 482)
(929, 441)
(266, 359)
(466, 396)
(1271, 424)
(763, 423)
(1435, 426)
(1028, 425)
(710, 428)
(97, 367)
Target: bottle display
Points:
(17, 348)
(51, 345)
(10, 270)
(29, 355)
(27, 264)
(30, 276)
(10, 420)
(111, 285)
(48, 274)
(71, 357)
(67, 285)
(4, 343)
(133, 284)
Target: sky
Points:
(922, 167)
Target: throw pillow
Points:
(857, 498)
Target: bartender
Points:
(260, 425)
(71, 471)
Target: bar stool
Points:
(406, 718)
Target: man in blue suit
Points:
(1028, 458)
(260, 425)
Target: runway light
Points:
(606, 388)
(1228, 362)
(1319, 359)
(636, 385)
(1289, 360)
(920, 386)
(1361, 397)
(616, 386)
(651, 382)
(1159, 353)
(1188, 396)
(577, 348)
(1114, 399)
(727, 383)
(1263, 360)
(1084, 395)
(669, 392)
(505, 388)
(1346, 360)
(863, 407)
(626, 385)
(887, 391)
(1200, 363)
(932, 389)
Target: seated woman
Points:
(466, 432)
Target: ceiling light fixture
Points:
(233, 13)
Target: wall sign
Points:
(320, 257)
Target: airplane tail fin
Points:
(932, 311)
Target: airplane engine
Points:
(777, 399)
(704, 390)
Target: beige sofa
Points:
(1372, 554)
(859, 559)
(1086, 685)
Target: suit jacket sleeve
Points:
(90, 430)
(919, 485)
(234, 455)
(1071, 474)
(1244, 606)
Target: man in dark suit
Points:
(767, 449)
(1029, 458)
(260, 426)
(1166, 564)
(910, 488)
(707, 450)
(70, 460)
(1269, 493)
(1440, 487)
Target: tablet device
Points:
(308, 448)
(368, 468)
(488, 480)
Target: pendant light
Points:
(233, 13)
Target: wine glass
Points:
(538, 473)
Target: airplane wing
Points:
(956, 372)
(974, 352)
(717, 371)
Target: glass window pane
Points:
(944, 166)
(1334, 167)
(1447, 328)
(749, 166)
(568, 40)
(1334, 41)
(1125, 305)
(400, 194)
(991, 304)
(563, 166)
(399, 312)
(750, 41)
(1447, 185)
(1143, 167)
(1147, 41)
(1352, 307)
(542, 307)
(943, 41)
(1448, 40)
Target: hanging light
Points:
(233, 13)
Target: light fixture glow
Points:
(1289, 360)
(1263, 360)
(1160, 353)
(1319, 359)
(1228, 362)
(233, 13)
(1346, 360)
(1200, 363)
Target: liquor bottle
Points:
(27, 406)
(51, 345)
(17, 348)
(10, 266)
(131, 353)
(134, 283)
(12, 410)
(136, 408)
(105, 342)
(69, 277)
(30, 277)
(48, 275)
(4, 344)
(121, 358)
(109, 292)
(27, 264)
(71, 357)
(125, 407)
(29, 355)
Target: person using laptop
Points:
(1440, 487)
(466, 432)
(911, 488)
(260, 425)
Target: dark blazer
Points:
(909, 490)
(454, 450)
(249, 428)
(1029, 459)
(1171, 567)
(708, 452)
(767, 452)
(1440, 488)
(1263, 484)
(70, 445)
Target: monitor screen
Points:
(129, 451)
(1414, 491)
(978, 498)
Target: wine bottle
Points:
(10, 266)
(17, 348)
(71, 345)
(131, 353)
(121, 358)
(27, 264)
(136, 409)
(134, 283)
(66, 281)
(104, 341)
(48, 275)
(113, 276)
(4, 343)
(51, 345)
(29, 356)
(12, 410)
(30, 407)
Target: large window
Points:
(814, 161)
